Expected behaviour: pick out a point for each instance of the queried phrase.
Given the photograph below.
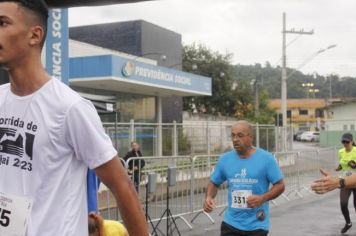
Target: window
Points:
(303, 112)
(289, 114)
(345, 127)
(352, 127)
(319, 113)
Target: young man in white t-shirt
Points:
(49, 136)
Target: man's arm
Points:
(114, 176)
(329, 182)
(209, 202)
(257, 200)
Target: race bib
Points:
(14, 213)
(239, 198)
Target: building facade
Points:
(144, 87)
(142, 39)
(305, 114)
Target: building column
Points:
(159, 127)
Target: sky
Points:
(250, 29)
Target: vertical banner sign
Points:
(57, 59)
(57, 65)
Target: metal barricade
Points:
(290, 167)
(312, 161)
(300, 169)
(180, 201)
(203, 165)
(106, 201)
(328, 159)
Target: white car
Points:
(310, 136)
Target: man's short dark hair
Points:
(38, 7)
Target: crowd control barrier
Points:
(192, 174)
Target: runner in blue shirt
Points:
(249, 171)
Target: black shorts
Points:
(228, 230)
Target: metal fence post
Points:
(221, 137)
(276, 136)
(257, 135)
(132, 131)
(209, 142)
(115, 136)
(175, 139)
(208, 138)
(267, 138)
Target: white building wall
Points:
(80, 49)
(341, 117)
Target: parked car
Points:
(296, 135)
(310, 136)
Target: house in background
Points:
(302, 114)
(340, 118)
(341, 115)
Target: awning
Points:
(78, 3)
(114, 73)
(103, 104)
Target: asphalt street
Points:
(314, 215)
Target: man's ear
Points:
(36, 35)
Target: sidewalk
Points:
(314, 215)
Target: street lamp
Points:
(311, 57)
(310, 89)
(313, 91)
(308, 86)
(330, 88)
(285, 77)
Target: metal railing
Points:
(299, 168)
(190, 138)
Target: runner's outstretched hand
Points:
(325, 184)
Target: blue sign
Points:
(57, 65)
(138, 73)
(57, 59)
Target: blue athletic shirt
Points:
(254, 174)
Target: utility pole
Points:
(330, 89)
(284, 77)
(257, 103)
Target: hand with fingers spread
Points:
(325, 184)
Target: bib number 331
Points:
(14, 213)
(239, 198)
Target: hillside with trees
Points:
(271, 79)
(243, 91)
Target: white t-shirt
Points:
(47, 141)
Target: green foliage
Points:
(217, 67)
(271, 82)
(253, 81)
(265, 115)
(233, 92)
(184, 146)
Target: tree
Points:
(251, 88)
(216, 66)
(232, 90)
